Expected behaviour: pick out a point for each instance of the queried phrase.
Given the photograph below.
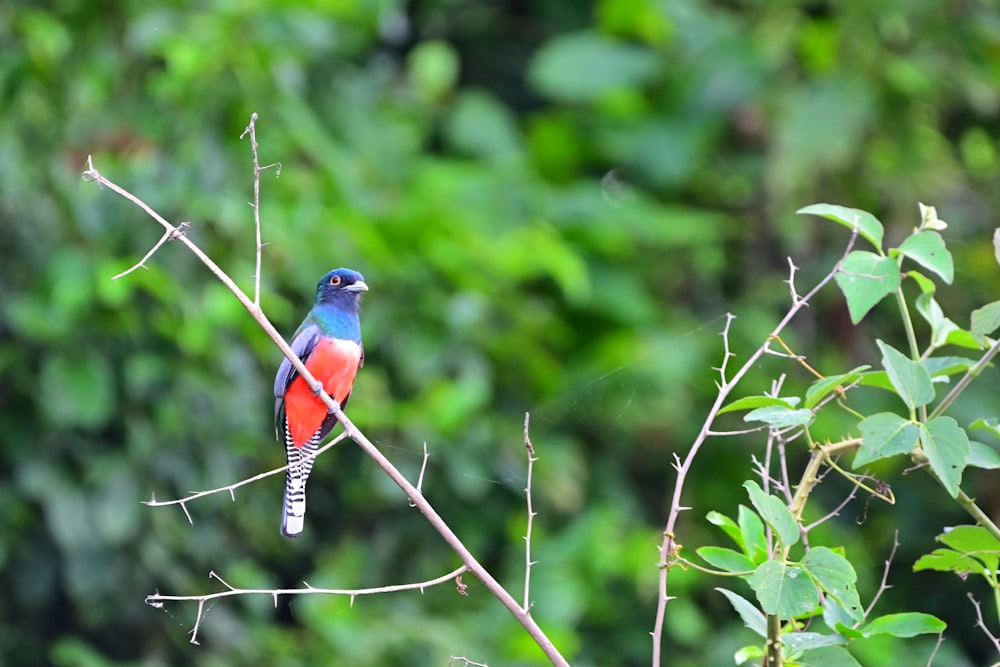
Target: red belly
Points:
(332, 362)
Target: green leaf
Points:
(800, 642)
(865, 279)
(774, 512)
(837, 577)
(726, 559)
(779, 416)
(909, 624)
(940, 367)
(837, 619)
(877, 379)
(988, 424)
(927, 248)
(750, 614)
(580, 67)
(867, 224)
(974, 541)
(982, 456)
(828, 656)
(948, 560)
(926, 285)
(745, 654)
(943, 330)
(784, 590)
(752, 529)
(985, 320)
(883, 435)
(751, 402)
(820, 389)
(947, 448)
(728, 526)
(909, 378)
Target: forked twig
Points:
(231, 488)
(157, 600)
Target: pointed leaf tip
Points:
(868, 225)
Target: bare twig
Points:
(791, 281)
(168, 235)
(473, 565)
(981, 622)
(420, 477)
(231, 488)
(157, 600)
(669, 543)
(937, 645)
(884, 584)
(835, 511)
(531, 516)
(252, 131)
(466, 662)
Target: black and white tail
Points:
(300, 463)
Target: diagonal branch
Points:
(415, 496)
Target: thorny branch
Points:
(252, 131)
(157, 600)
(981, 622)
(415, 496)
(231, 488)
(531, 516)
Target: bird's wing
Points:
(303, 343)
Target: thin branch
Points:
(937, 645)
(745, 431)
(530, 449)
(884, 584)
(252, 131)
(466, 661)
(157, 600)
(835, 511)
(168, 235)
(969, 376)
(449, 536)
(791, 281)
(669, 543)
(981, 622)
(231, 488)
(420, 477)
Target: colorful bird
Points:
(329, 343)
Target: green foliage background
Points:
(555, 204)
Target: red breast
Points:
(334, 363)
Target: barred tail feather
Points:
(300, 463)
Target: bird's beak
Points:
(359, 286)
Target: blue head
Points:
(341, 288)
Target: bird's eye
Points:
(335, 280)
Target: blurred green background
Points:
(555, 204)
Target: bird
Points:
(329, 344)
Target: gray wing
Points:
(302, 344)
